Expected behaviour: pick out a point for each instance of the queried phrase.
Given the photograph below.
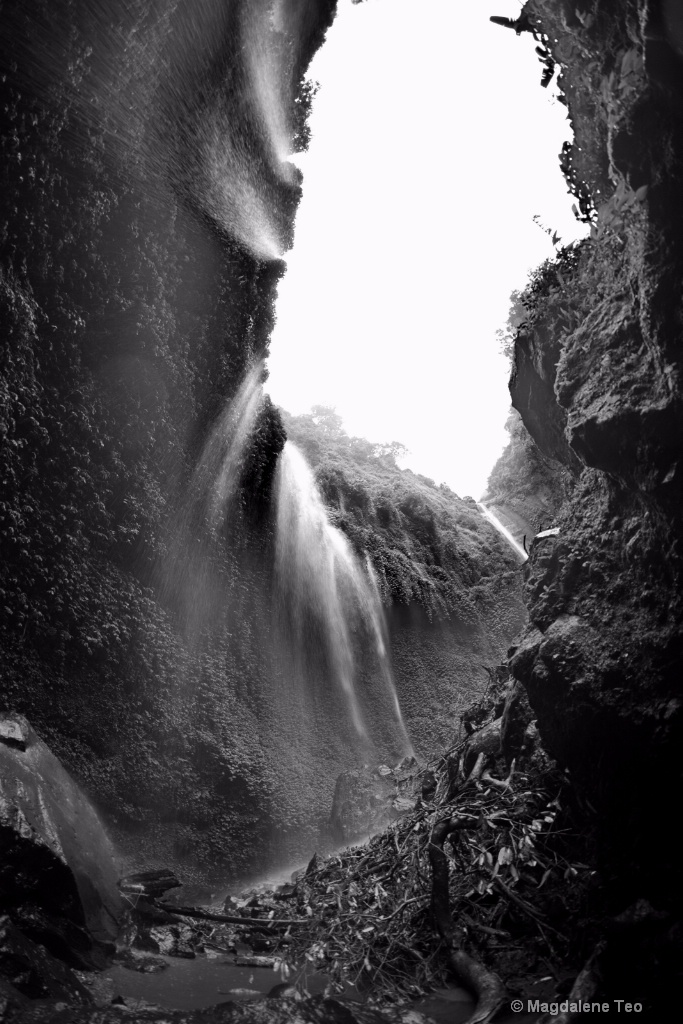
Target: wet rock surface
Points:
(40, 947)
(32, 970)
(55, 852)
(598, 658)
(597, 381)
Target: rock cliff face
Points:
(441, 664)
(56, 857)
(145, 206)
(597, 380)
(134, 295)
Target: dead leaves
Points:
(372, 902)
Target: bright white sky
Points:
(433, 147)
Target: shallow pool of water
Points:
(195, 984)
(455, 1006)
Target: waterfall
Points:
(216, 478)
(328, 602)
(267, 31)
(248, 179)
(503, 531)
(190, 578)
(296, 624)
(379, 628)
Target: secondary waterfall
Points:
(328, 602)
(216, 478)
(379, 627)
(503, 531)
(190, 580)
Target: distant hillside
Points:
(524, 482)
(427, 545)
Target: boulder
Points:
(54, 852)
(60, 937)
(33, 971)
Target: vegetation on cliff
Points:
(525, 480)
(597, 382)
(532, 477)
(427, 545)
(130, 314)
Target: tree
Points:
(327, 419)
(516, 316)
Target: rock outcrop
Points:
(56, 855)
(598, 383)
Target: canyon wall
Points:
(147, 200)
(134, 296)
(597, 380)
(441, 664)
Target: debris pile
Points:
(476, 884)
(482, 881)
(512, 883)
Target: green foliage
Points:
(516, 316)
(126, 322)
(524, 478)
(562, 290)
(548, 280)
(427, 545)
(303, 103)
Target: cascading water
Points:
(216, 478)
(189, 579)
(379, 627)
(247, 177)
(267, 30)
(297, 622)
(326, 603)
(503, 531)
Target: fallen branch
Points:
(398, 910)
(518, 901)
(487, 987)
(537, 918)
(255, 961)
(484, 928)
(251, 922)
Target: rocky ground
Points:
(66, 920)
(485, 876)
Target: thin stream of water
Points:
(503, 531)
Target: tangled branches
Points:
(467, 884)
